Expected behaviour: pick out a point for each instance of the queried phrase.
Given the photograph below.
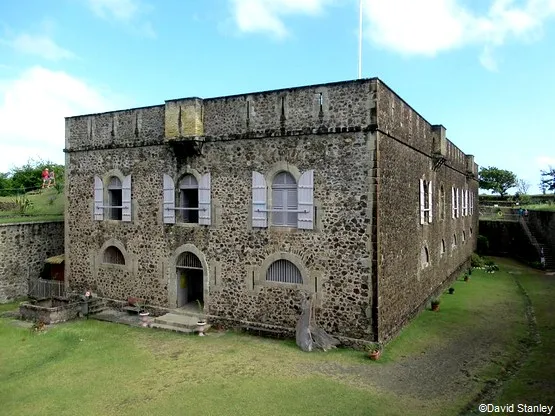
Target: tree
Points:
(548, 180)
(523, 186)
(28, 176)
(497, 180)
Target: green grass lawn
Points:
(45, 206)
(96, 368)
(540, 207)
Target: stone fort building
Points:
(250, 202)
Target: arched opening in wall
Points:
(471, 231)
(424, 257)
(442, 248)
(113, 255)
(115, 199)
(284, 200)
(188, 199)
(454, 240)
(463, 236)
(283, 271)
(190, 280)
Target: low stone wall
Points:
(23, 249)
(49, 311)
(506, 238)
(543, 222)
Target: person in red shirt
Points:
(45, 177)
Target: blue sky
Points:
(485, 69)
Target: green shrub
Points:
(476, 260)
(482, 245)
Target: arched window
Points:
(115, 199)
(442, 249)
(284, 271)
(188, 199)
(424, 257)
(463, 236)
(284, 200)
(113, 255)
(454, 240)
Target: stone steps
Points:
(178, 322)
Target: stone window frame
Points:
(310, 280)
(130, 259)
(271, 173)
(196, 174)
(106, 192)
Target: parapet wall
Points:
(23, 249)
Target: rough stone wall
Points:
(404, 146)
(335, 255)
(543, 222)
(23, 249)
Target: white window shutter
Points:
(98, 199)
(126, 199)
(453, 201)
(471, 203)
(466, 202)
(305, 201)
(430, 200)
(259, 198)
(204, 201)
(422, 204)
(458, 202)
(169, 200)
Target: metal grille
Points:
(112, 255)
(43, 289)
(284, 271)
(188, 261)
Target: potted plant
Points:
(143, 313)
(374, 351)
(201, 323)
(451, 290)
(435, 304)
(466, 277)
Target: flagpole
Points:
(360, 42)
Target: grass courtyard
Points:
(480, 342)
(46, 205)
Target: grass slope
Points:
(46, 206)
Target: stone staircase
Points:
(540, 243)
(179, 321)
(96, 305)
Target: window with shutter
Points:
(205, 214)
(115, 199)
(126, 199)
(425, 201)
(169, 200)
(305, 199)
(188, 199)
(284, 200)
(98, 199)
(259, 196)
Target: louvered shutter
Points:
(457, 195)
(453, 201)
(422, 204)
(259, 197)
(126, 199)
(98, 199)
(430, 200)
(169, 200)
(204, 201)
(305, 199)
(291, 218)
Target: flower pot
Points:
(451, 291)
(374, 355)
(144, 318)
(466, 278)
(435, 307)
(200, 327)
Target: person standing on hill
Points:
(51, 179)
(45, 177)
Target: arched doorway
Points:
(190, 279)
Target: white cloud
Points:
(129, 12)
(546, 162)
(427, 28)
(38, 45)
(32, 111)
(265, 16)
